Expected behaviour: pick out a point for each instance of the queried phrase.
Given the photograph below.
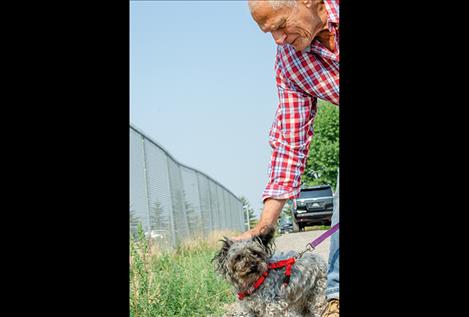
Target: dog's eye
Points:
(237, 258)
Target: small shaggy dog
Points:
(243, 263)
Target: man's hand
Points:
(272, 209)
(246, 235)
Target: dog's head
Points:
(242, 262)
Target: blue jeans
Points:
(332, 289)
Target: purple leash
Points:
(313, 244)
(324, 236)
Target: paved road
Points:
(297, 241)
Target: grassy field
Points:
(177, 283)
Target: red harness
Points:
(275, 265)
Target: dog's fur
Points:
(242, 263)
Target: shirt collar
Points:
(332, 8)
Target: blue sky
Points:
(202, 85)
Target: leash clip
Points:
(309, 247)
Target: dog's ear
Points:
(266, 237)
(227, 243)
(220, 256)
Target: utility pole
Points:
(247, 217)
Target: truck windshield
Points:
(315, 193)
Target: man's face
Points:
(296, 26)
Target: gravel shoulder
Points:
(297, 242)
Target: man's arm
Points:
(290, 138)
(271, 212)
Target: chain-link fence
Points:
(174, 202)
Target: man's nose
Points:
(279, 37)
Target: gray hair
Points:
(275, 4)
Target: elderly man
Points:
(306, 68)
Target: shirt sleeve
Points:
(290, 137)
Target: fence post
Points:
(147, 196)
(171, 214)
(200, 224)
(183, 203)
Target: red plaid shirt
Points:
(301, 78)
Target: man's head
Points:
(295, 22)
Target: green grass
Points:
(177, 283)
(321, 227)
